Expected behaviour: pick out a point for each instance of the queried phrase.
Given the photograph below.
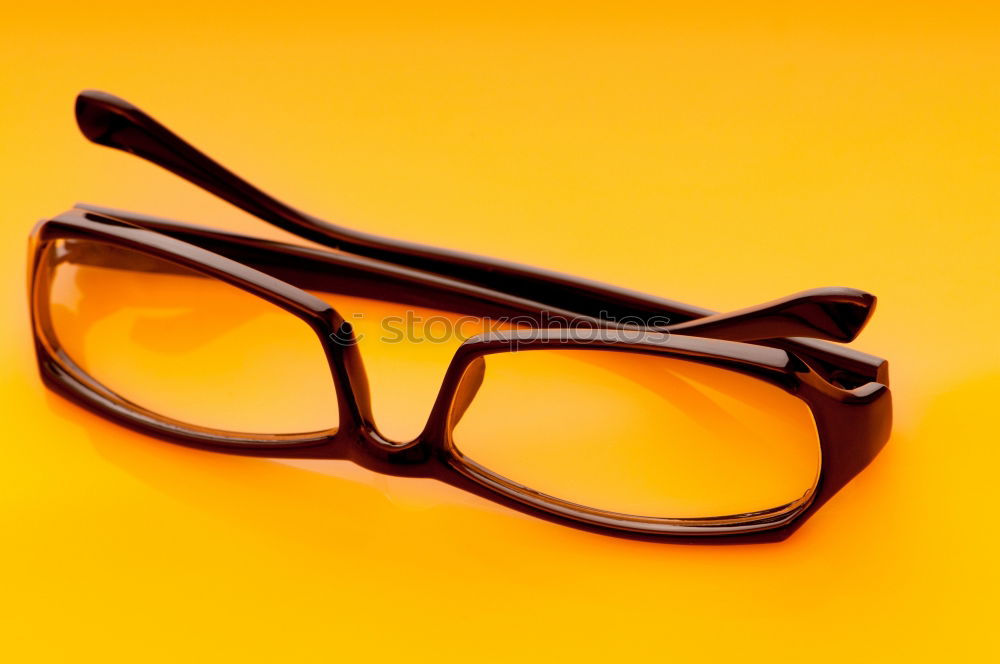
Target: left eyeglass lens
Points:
(183, 345)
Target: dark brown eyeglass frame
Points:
(846, 391)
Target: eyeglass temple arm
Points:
(835, 314)
(111, 121)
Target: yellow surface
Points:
(719, 154)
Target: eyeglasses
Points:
(714, 424)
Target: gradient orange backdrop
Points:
(721, 155)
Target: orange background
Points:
(722, 155)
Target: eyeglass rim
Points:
(432, 454)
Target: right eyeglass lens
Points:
(184, 346)
(640, 435)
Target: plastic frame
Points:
(846, 391)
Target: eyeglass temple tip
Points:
(99, 113)
(832, 314)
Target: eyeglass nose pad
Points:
(469, 386)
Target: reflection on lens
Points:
(185, 346)
(640, 435)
